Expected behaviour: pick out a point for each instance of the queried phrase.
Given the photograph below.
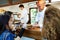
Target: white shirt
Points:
(24, 16)
(40, 17)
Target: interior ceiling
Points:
(13, 2)
(27, 1)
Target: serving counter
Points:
(33, 34)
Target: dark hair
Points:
(8, 13)
(4, 19)
(52, 23)
(2, 28)
(21, 5)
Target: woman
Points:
(11, 19)
(51, 29)
(22, 29)
(5, 22)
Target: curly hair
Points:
(52, 23)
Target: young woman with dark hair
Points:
(5, 25)
(22, 29)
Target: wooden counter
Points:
(35, 33)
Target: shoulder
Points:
(7, 33)
(25, 10)
(9, 36)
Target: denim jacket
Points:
(7, 35)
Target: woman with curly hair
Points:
(51, 29)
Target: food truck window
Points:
(32, 14)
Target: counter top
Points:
(32, 34)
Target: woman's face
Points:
(11, 25)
